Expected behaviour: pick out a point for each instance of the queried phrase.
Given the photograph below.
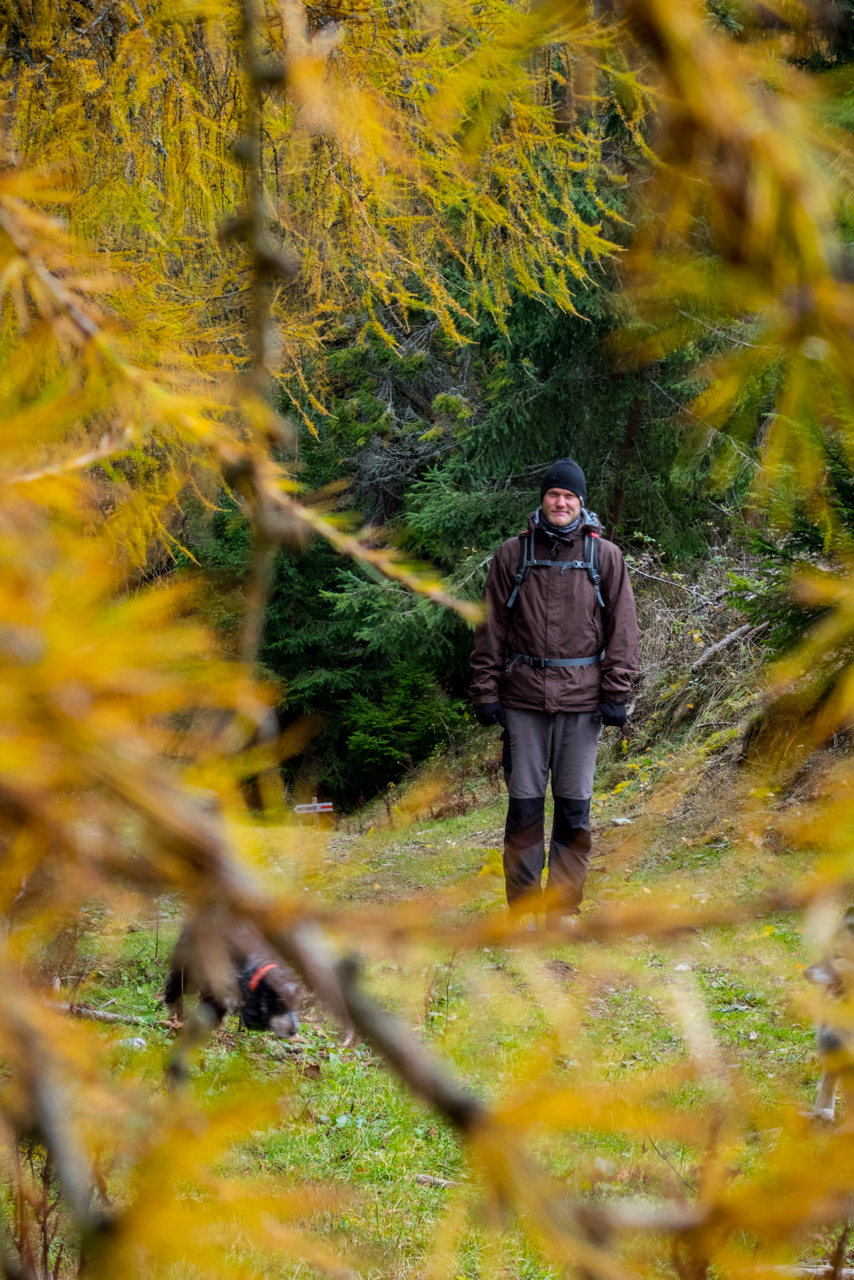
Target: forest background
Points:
(445, 335)
(449, 333)
(269, 273)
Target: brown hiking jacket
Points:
(556, 615)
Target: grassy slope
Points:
(577, 1014)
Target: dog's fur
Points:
(835, 976)
(243, 976)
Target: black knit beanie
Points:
(565, 474)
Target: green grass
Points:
(580, 1017)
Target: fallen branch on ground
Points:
(100, 1015)
(847, 1273)
(738, 634)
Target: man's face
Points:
(561, 506)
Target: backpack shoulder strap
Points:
(592, 534)
(526, 557)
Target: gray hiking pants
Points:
(537, 743)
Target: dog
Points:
(835, 1039)
(241, 975)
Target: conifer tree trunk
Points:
(633, 427)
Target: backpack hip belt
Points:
(539, 664)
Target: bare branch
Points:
(738, 634)
(336, 983)
(257, 592)
(108, 447)
(89, 1014)
(11, 1268)
(50, 1113)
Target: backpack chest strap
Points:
(559, 564)
(527, 562)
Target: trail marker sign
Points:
(324, 806)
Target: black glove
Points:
(610, 713)
(491, 713)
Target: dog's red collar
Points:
(259, 974)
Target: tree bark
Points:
(633, 426)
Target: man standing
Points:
(552, 662)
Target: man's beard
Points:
(558, 530)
